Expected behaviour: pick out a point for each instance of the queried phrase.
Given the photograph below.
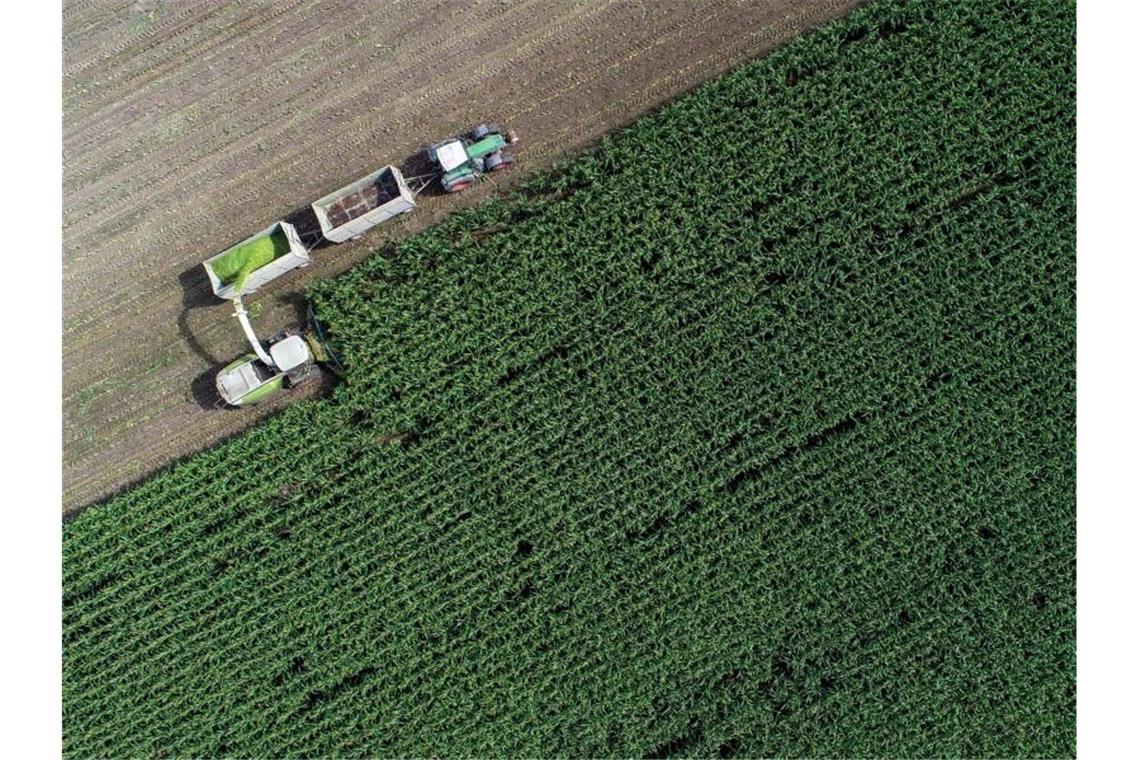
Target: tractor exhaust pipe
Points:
(243, 317)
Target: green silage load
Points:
(235, 266)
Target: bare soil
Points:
(189, 125)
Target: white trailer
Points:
(354, 209)
(296, 256)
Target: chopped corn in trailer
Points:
(294, 256)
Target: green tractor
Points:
(465, 158)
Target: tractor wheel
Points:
(460, 184)
(483, 130)
(498, 161)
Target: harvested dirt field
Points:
(190, 125)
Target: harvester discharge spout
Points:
(251, 336)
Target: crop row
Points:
(748, 432)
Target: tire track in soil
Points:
(343, 106)
(309, 29)
(142, 337)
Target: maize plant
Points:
(750, 432)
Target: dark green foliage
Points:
(767, 449)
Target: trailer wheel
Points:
(498, 161)
(483, 130)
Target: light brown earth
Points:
(190, 125)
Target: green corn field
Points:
(750, 432)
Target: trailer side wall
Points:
(297, 256)
(403, 203)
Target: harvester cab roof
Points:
(290, 353)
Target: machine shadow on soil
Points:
(196, 294)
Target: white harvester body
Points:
(257, 376)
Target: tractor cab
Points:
(464, 159)
(451, 155)
(250, 380)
